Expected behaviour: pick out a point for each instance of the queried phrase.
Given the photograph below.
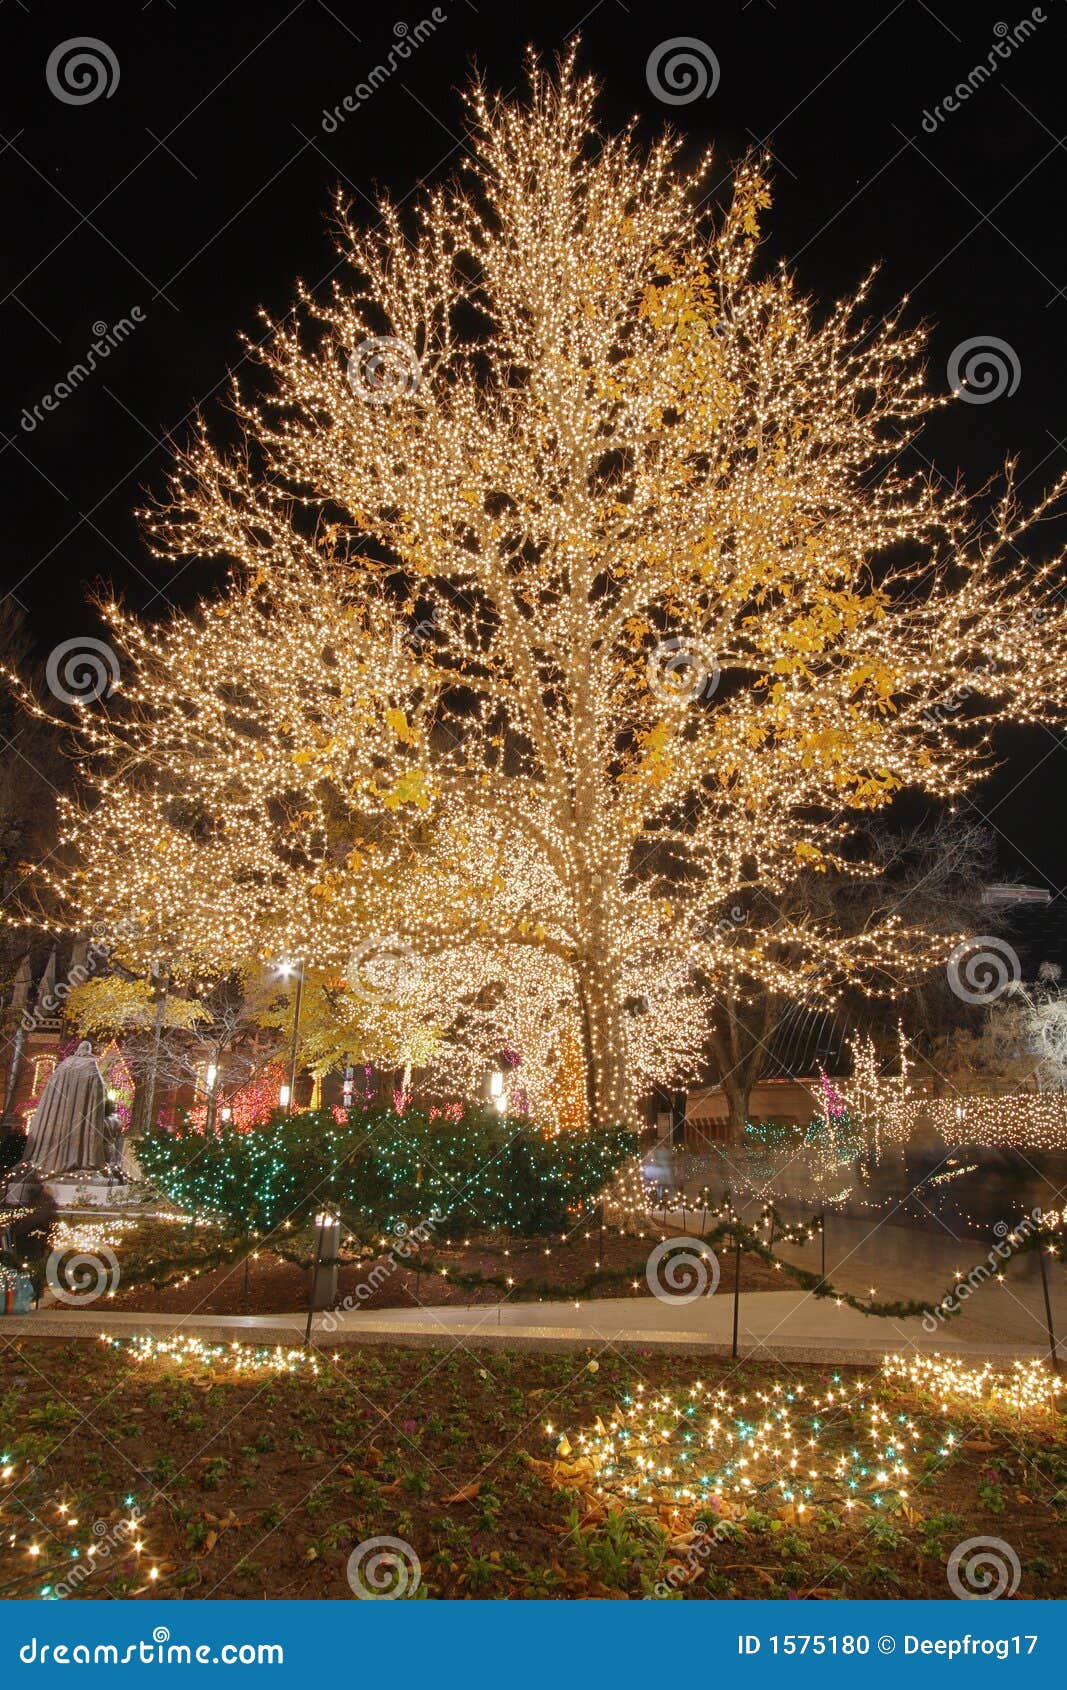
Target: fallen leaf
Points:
(466, 1493)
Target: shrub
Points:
(379, 1168)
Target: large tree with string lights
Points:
(595, 592)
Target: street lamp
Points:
(497, 1095)
(210, 1077)
(285, 1095)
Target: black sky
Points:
(197, 191)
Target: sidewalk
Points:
(786, 1325)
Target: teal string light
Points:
(384, 1171)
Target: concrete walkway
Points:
(999, 1320)
(786, 1325)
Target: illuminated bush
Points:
(379, 1168)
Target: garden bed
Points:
(263, 1484)
(459, 1274)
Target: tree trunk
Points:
(739, 1045)
(736, 1091)
(604, 1052)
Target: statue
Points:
(114, 1139)
(68, 1124)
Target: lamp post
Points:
(161, 987)
(286, 1094)
(323, 1292)
(209, 1078)
(497, 1094)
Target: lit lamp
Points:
(497, 1096)
(284, 1094)
(324, 1272)
(210, 1077)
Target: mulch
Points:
(265, 1487)
(542, 1269)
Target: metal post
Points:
(212, 1095)
(1053, 1356)
(737, 1285)
(153, 1072)
(314, 1282)
(822, 1232)
(323, 1292)
(296, 1032)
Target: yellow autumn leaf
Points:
(401, 727)
(409, 789)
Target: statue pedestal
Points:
(75, 1190)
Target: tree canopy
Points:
(583, 585)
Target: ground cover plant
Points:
(226, 1475)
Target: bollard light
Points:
(324, 1272)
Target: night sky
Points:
(196, 189)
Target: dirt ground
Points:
(187, 1480)
(608, 1266)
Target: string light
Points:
(1028, 1387)
(182, 1350)
(710, 1449)
(547, 640)
(52, 1536)
(712, 1452)
(886, 1098)
(484, 1170)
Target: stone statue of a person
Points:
(68, 1124)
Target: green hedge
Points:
(379, 1168)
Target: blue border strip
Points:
(540, 1645)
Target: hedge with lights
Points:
(379, 1168)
